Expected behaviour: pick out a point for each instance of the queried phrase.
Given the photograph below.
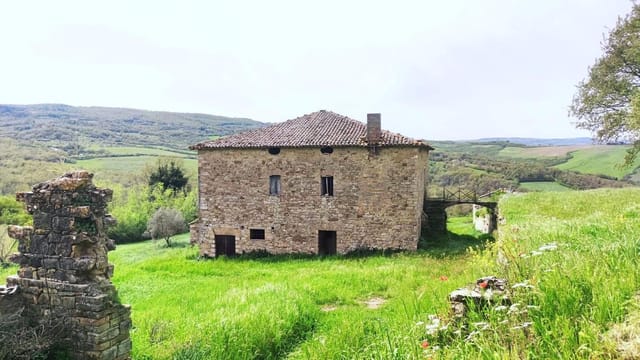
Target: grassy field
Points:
(115, 169)
(543, 186)
(542, 151)
(138, 150)
(571, 259)
(605, 160)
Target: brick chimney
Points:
(373, 129)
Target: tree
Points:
(170, 174)
(165, 223)
(608, 101)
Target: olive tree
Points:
(165, 223)
(607, 102)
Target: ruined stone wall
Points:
(377, 200)
(64, 271)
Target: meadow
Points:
(586, 159)
(571, 259)
(604, 160)
(543, 186)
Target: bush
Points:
(165, 223)
(133, 207)
(12, 212)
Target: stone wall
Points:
(64, 271)
(377, 200)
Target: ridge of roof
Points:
(320, 128)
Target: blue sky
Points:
(434, 69)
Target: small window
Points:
(274, 185)
(256, 234)
(274, 150)
(326, 185)
(326, 149)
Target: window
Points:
(274, 150)
(326, 149)
(274, 185)
(256, 234)
(326, 184)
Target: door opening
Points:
(326, 242)
(225, 245)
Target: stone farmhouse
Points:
(321, 183)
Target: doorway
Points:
(225, 245)
(326, 242)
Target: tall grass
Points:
(574, 254)
(282, 306)
(578, 290)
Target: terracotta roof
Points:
(321, 128)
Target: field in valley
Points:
(571, 257)
(587, 159)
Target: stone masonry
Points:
(377, 200)
(64, 269)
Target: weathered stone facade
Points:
(376, 204)
(64, 270)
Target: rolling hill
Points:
(67, 126)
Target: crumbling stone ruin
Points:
(486, 291)
(64, 272)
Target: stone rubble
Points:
(64, 270)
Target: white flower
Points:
(500, 308)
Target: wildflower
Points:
(443, 278)
(484, 284)
(425, 344)
(500, 308)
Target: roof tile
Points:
(321, 128)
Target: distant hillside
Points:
(539, 142)
(64, 125)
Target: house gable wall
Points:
(377, 200)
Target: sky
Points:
(438, 70)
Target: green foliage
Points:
(165, 223)
(80, 128)
(315, 308)
(12, 212)
(133, 207)
(608, 101)
(170, 174)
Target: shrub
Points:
(165, 223)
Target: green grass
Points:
(154, 151)
(543, 186)
(283, 306)
(300, 307)
(117, 168)
(602, 160)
